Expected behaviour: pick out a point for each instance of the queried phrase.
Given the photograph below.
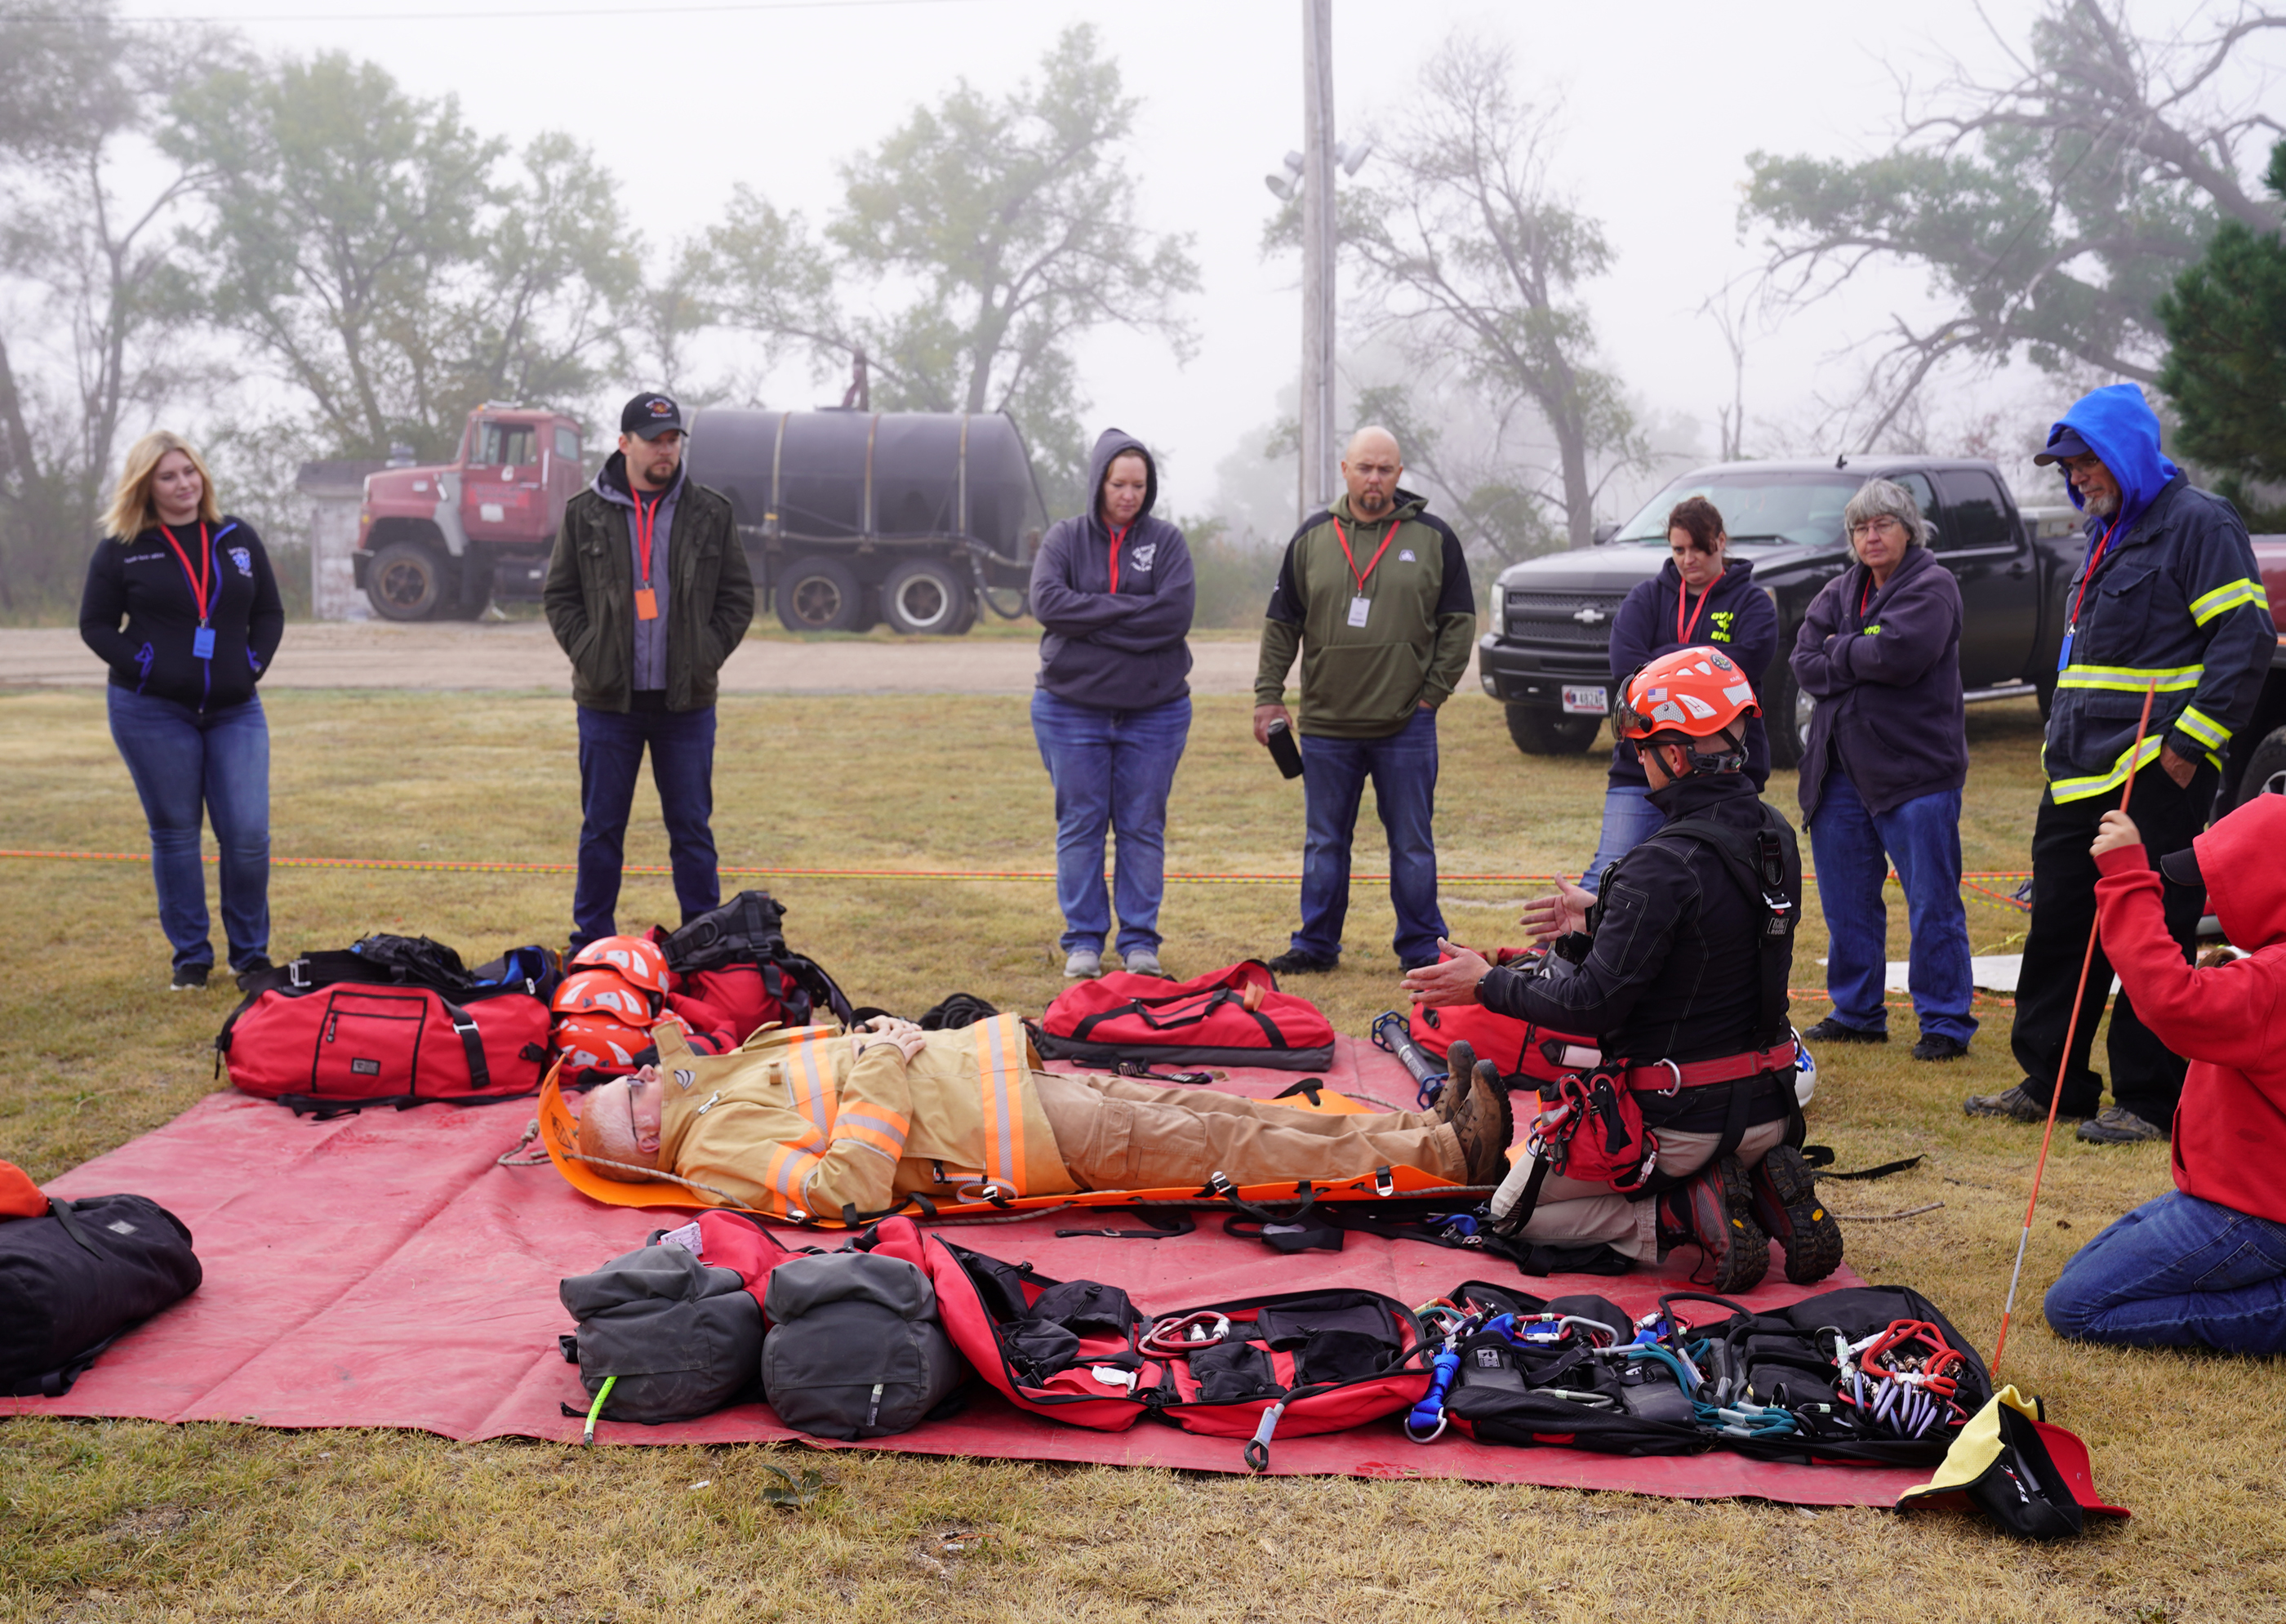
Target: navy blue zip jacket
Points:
(1738, 620)
(1885, 669)
(2176, 596)
(1115, 643)
(142, 581)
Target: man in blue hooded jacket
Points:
(2169, 594)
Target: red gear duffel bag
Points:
(1232, 1017)
(343, 1047)
(1519, 1048)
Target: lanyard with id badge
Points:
(646, 531)
(202, 641)
(1360, 606)
(2071, 626)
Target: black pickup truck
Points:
(1547, 655)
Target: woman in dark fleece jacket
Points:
(202, 619)
(1112, 712)
(1880, 651)
(1699, 595)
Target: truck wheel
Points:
(405, 581)
(1786, 711)
(923, 598)
(2265, 769)
(819, 594)
(1544, 732)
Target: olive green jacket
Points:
(590, 596)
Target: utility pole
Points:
(1318, 452)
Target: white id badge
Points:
(1359, 609)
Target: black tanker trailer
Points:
(850, 516)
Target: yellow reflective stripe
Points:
(2123, 770)
(2225, 598)
(809, 1079)
(2203, 728)
(999, 1062)
(2131, 678)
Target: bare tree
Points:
(1472, 256)
(90, 292)
(2052, 208)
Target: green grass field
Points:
(136, 1521)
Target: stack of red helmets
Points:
(606, 1005)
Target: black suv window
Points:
(1978, 515)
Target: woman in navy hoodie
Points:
(1112, 712)
(202, 619)
(1699, 595)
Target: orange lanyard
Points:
(1345, 539)
(646, 529)
(198, 578)
(1683, 596)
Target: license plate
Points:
(1579, 701)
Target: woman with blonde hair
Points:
(201, 618)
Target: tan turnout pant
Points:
(1115, 1133)
(1575, 1213)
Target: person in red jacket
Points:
(2204, 1265)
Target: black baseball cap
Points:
(2063, 442)
(2182, 867)
(648, 416)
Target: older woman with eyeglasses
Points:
(1879, 652)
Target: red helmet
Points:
(1690, 694)
(640, 961)
(600, 990)
(597, 1042)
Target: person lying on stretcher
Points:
(819, 1123)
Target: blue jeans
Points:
(1403, 768)
(1629, 819)
(1853, 849)
(2178, 1272)
(1111, 769)
(185, 762)
(682, 765)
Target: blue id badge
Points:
(203, 643)
(2063, 654)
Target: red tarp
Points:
(382, 1271)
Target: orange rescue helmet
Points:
(640, 961)
(599, 1042)
(1681, 697)
(600, 990)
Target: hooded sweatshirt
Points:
(1737, 618)
(1115, 610)
(2170, 589)
(2230, 1021)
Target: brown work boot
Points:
(1459, 1065)
(1714, 1211)
(1484, 1125)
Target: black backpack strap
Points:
(1767, 864)
(62, 1209)
(472, 1043)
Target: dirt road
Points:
(521, 655)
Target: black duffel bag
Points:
(78, 1278)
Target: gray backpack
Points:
(682, 1339)
(855, 1348)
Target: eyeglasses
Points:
(1866, 528)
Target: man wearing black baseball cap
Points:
(2169, 601)
(648, 592)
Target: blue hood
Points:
(1110, 445)
(2121, 429)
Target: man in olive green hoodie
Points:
(1373, 594)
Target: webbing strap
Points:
(1767, 864)
(472, 1044)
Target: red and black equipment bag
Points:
(338, 1031)
(1521, 1049)
(1232, 1017)
(1079, 1352)
(734, 973)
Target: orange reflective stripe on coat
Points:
(1000, 1082)
(810, 1084)
(876, 1127)
(787, 1169)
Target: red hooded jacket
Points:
(2229, 1022)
